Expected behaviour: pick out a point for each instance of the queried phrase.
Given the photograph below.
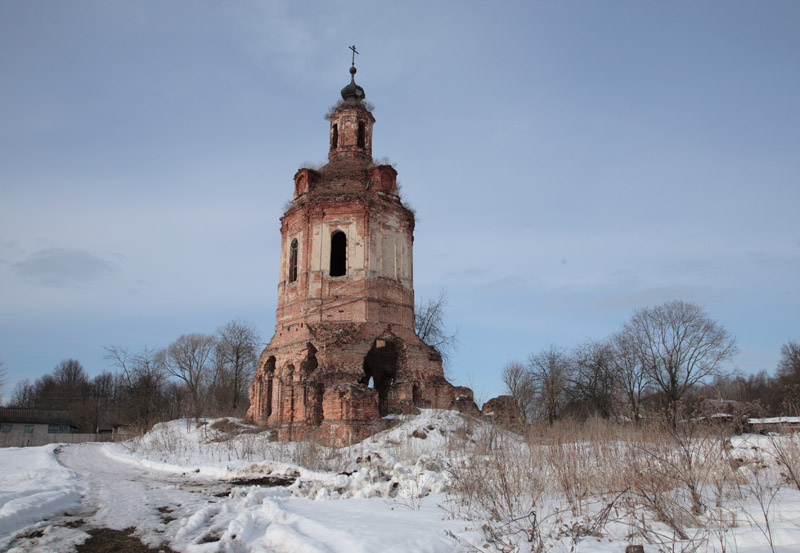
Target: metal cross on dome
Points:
(353, 48)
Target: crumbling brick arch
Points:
(310, 363)
(380, 371)
(266, 387)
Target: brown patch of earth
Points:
(106, 540)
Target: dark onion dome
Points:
(353, 90)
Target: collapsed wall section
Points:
(335, 382)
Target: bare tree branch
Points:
(429, 325)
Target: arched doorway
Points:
(380, 369)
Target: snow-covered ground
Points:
(34, 486)
(177, 485)
(203, 488)
(775, 420)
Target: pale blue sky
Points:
(569, 162)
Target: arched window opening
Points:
(335, 137)
(338, 254)
(293, 261)
(362, 135)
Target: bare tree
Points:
(520, 386)
(102, 398)
(104, 389)
(71, 373)
(789, 364)
(429, 325)
(629, 372)
(121, 359)
(593, 378)
(235, 361)
(550, 370)
(3, 377)
(22, 396)
(679, 345)
(142, 385)
(66, 388)
(189, 359)
(788, 378)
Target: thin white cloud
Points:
(7, 249)
(651, 296)
(138, 287)
(510, 283)
(469, 273)
(276, 36)
(57, 267)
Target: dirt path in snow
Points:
(122, 496)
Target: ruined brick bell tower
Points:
(345, 352)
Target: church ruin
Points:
(345, 353)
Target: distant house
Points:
(774, 424)
(21, 426)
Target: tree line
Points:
(197, 374)
(667, 359)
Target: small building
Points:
(766, 425)
(21, 426)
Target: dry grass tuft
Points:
(679, 488)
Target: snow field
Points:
(34, 486)
(262, 520)
(437, 482)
